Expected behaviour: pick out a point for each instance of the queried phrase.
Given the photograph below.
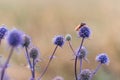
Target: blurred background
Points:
(43, 19)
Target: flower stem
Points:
(80, 65)
(33, 70)
(48, 63)
(71, 47)
(77, 57)
(76, 67)
(95, 71)
(28, 58)
(6, 63)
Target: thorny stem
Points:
(76, 59)
(48, 63)
(6, 63)
(95, 71)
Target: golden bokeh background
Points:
(43, 19)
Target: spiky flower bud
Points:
(34, 53)
(58, 40)
(82, 53)
(102, 58)
(26, 41)
(84, 75)
(68, 37)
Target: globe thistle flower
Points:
(84, 75)
(58, 78)
(34, 53)
(84, 32)
(26, 41)
(3, 31)
(58, 40)
(14, 38)
(68, 37)
(82, 53)
(102, 58)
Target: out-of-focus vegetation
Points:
(42, 19)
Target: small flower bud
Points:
(84, 75)
(34, 53)
(68, 37)
(82, 53)
(26, 41)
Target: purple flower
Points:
(59, 40)
(3, 31)
(102, 58)
(84, 32)
(14, 38)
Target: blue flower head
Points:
(102, 58)
(3, 31)
(58, 40)
(84, 32)
(14, 38)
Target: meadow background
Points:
(43, 19)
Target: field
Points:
(43, 19)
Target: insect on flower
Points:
(79, 26)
